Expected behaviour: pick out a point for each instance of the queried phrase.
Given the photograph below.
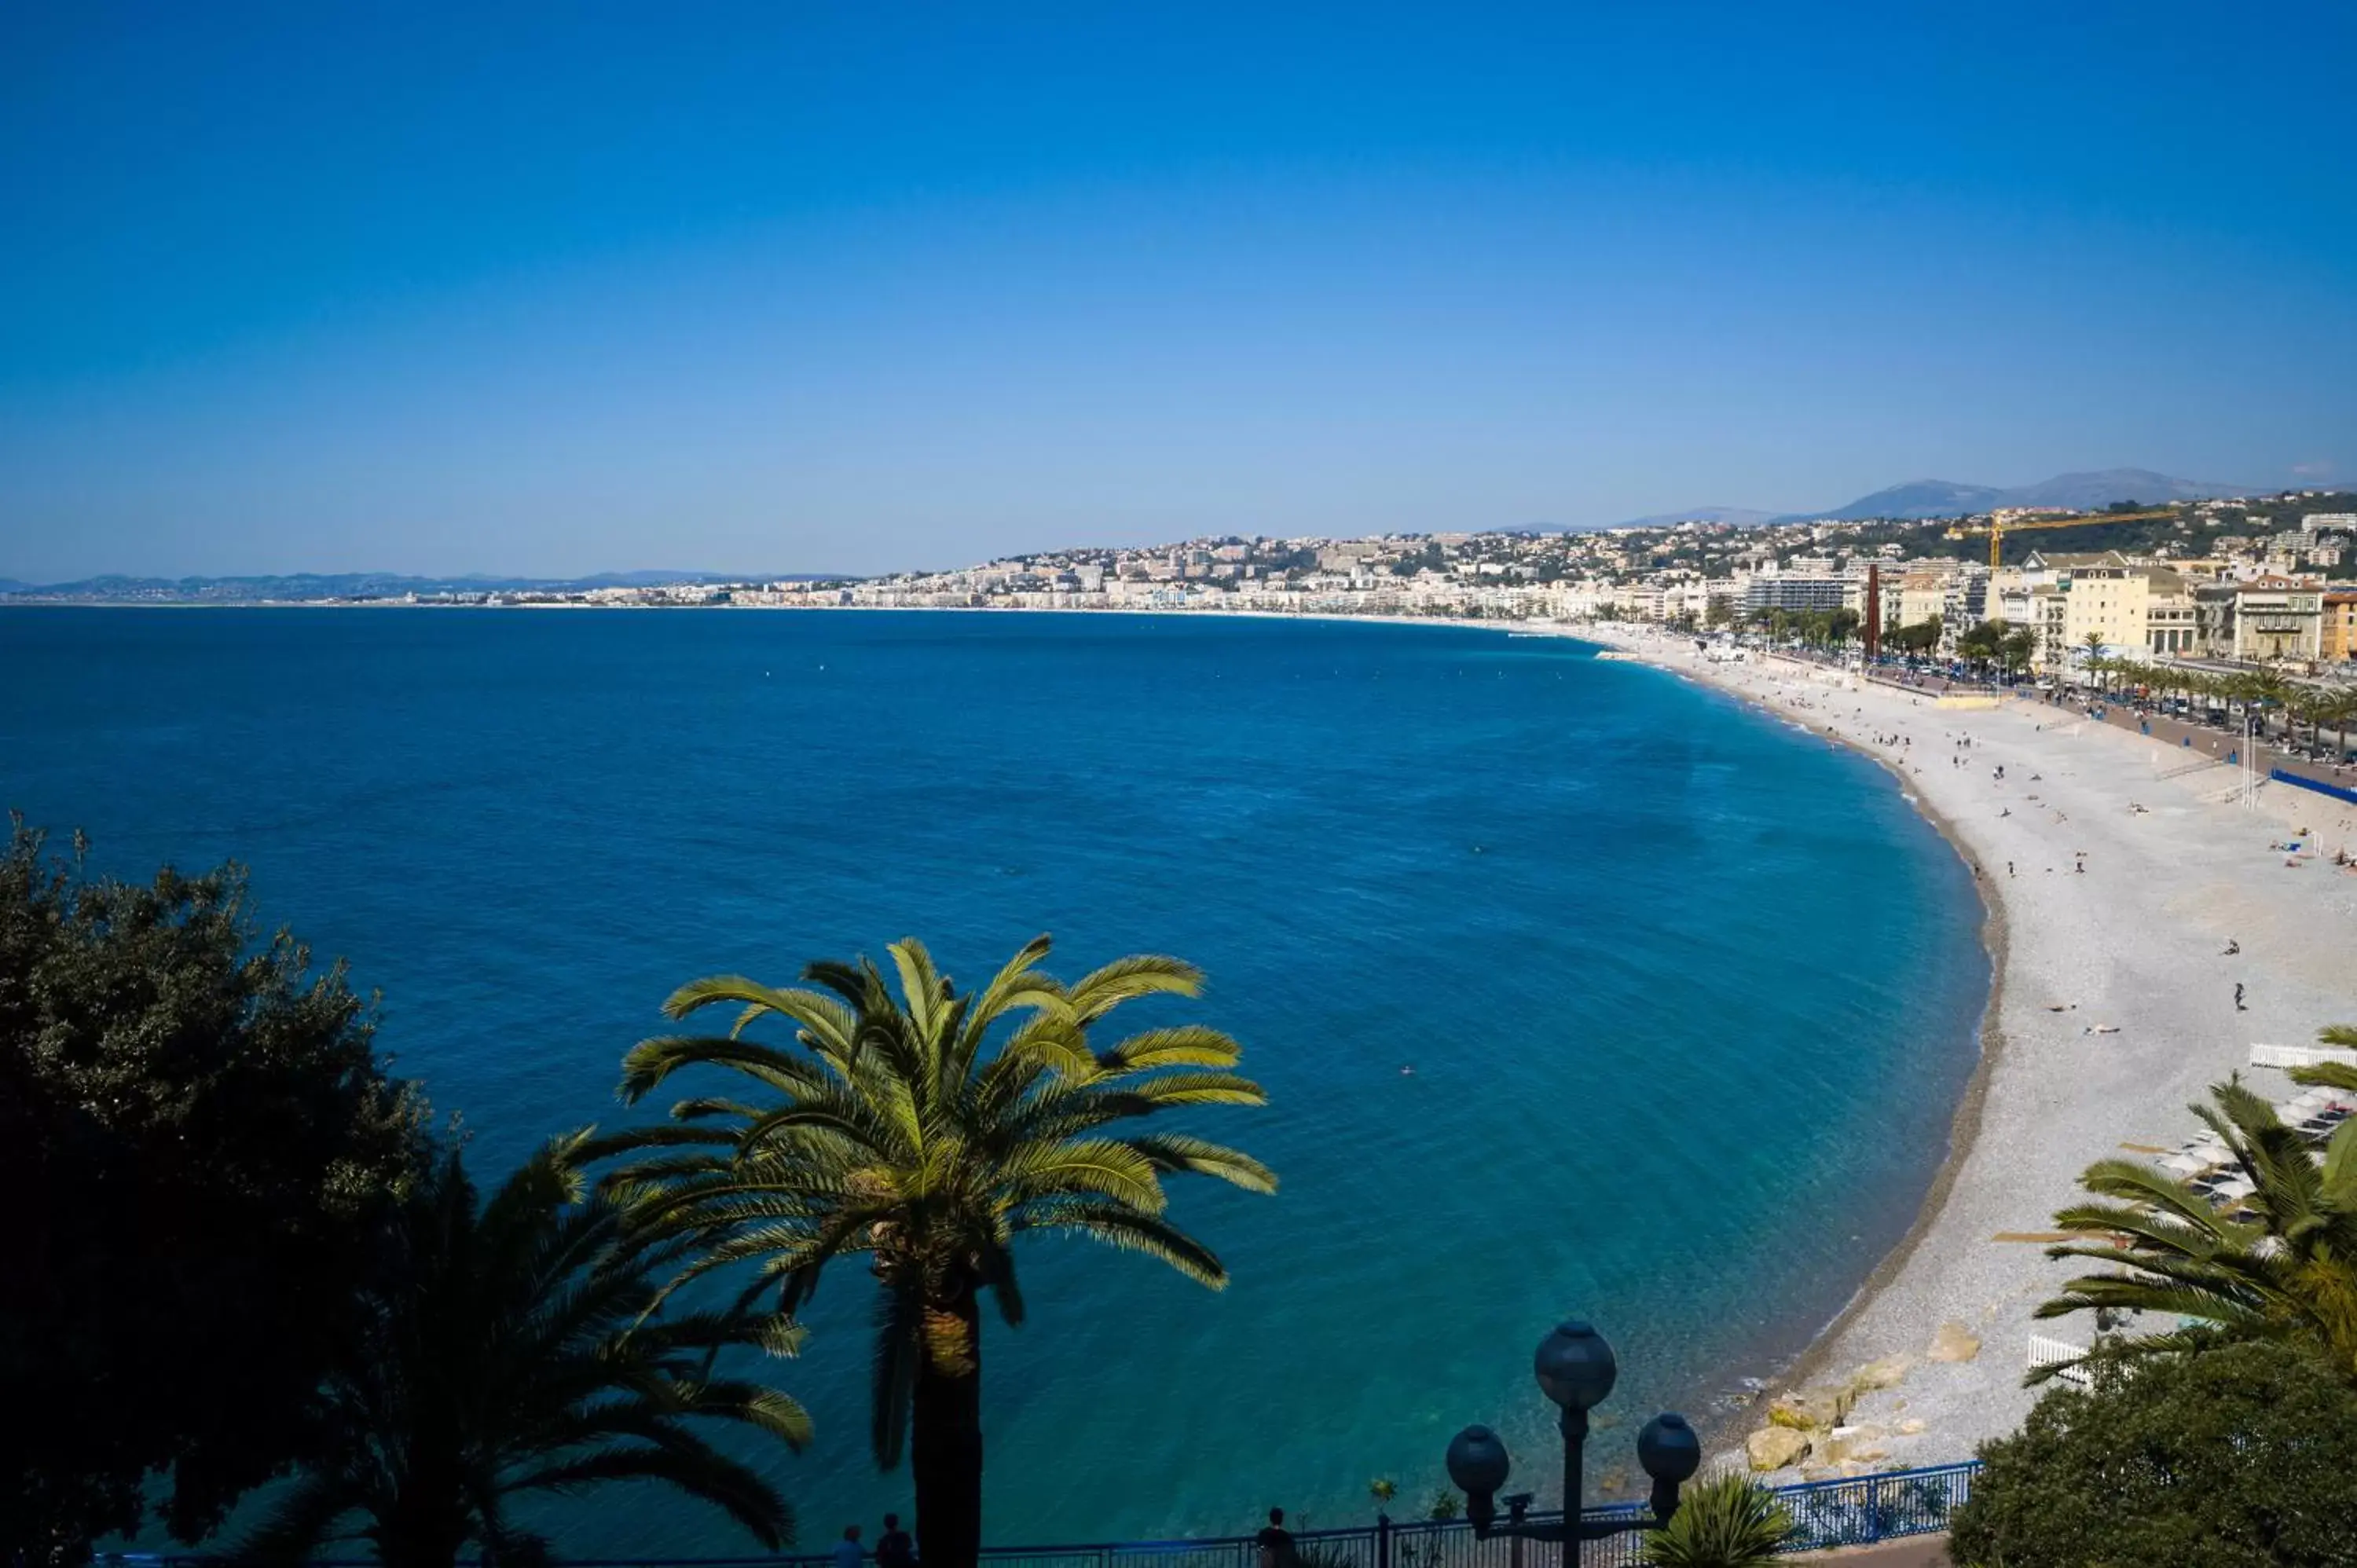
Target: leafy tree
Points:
(910, 1129)
(2242, 1456)
(1727, 1521)
(2291, 1274)
(200, 1145)
(512, 1347)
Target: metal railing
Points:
(1857, 1511)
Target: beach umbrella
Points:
(2184, 1163)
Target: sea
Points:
(1578, 990)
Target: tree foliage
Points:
(199, 1144)
(2240, 1457)
(514, 1347)
(2290, 1273)
(927, 1131)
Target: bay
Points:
(1576, 989)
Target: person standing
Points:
(1276, 1542)
(846, 1551)
(894, 1549)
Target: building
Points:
(1792, 591)
(2329, 523)
(2263, 620)
(2337, 636)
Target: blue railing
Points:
(2281, 777)
(1858, 1512)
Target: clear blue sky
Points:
(767, 286)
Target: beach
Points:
(2114, 1007)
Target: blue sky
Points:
(448, 288)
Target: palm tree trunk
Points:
(946, 1448)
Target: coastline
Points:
(2096, 1031)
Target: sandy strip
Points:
(2132, 949)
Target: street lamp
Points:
(1576, 1369)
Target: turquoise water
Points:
(1688, 995)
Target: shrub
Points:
(2236, 1456)
(1726, 1521)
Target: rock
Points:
(1856, 1444)
(1911, 1428)
(1881, 1374)
(1775, 1447)
(1805, 1409)
(1953, 1342)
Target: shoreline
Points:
(2093, 1033)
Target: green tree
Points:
(514, 1347)
(201, 1146)
(913, 1129)
(1727, 1521)
(2243, 1456)
(2291, 1274)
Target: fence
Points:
(2281, 777)
(1825, 1514)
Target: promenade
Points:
(2117, 872)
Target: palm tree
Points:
(2331, 1075)
(901, 1129)
(514, 1348)
(2290, 1275)
(2091, 645)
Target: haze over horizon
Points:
(547, 294)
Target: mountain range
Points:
(1945, 498)
(367, 585)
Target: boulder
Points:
(1806, 1409)
(1884, 1373)
(1953, 1342)
(1775, 1447)
(1854, 1444)
(1911, 1428)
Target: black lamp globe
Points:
(1477, 1462)
(1576, 1368)
(1668, 1449)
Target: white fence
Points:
(2046, 1352)
(2302, 1055)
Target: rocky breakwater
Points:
(1819, 1430)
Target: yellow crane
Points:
(1997, 531)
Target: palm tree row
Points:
(2257, 692)
(556, 1336)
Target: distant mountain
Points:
(2086, 492)
(1740, 517)
(2076, 493)
(366, 584)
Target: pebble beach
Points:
(2117, 873)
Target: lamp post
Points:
(1576, 1369)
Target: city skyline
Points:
(524, 295)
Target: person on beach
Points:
(2238, 998)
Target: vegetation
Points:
(514, 1347)
(2243, 1456)
(911, 1129)
(201, 1147)
(2290, 1275)
(1727, 1521)
(2331, 1075)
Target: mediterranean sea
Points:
(1576, 989)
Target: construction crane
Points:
(1997, 531)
